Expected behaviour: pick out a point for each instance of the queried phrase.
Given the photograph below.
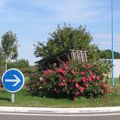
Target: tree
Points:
(66, 38)
(1, 58)
(107, 54)
(8, 48)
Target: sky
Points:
(33, 20)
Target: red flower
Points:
(65, 78)
(71, 88)
(108, 91)
(88, 65)
(86, 85)
(84, 79)
(77, 93)
(62, 84)
(81, 89)
(90, 72)
(65, 67)
(93, 76)
(65, 84)
(83, 66)
(47, 71)
(71, 80)
(90, 79)
(73, 72)
(104, 84)
(60, 70)
(98, 78)
(96, 84)
(60, 77)
(82, 73)
(77, 85)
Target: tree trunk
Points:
(5, 65)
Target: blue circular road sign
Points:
(13, 80)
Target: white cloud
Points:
(82, 11)
(104, 41)
(107, 36)
(71, 10)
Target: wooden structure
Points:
(78, 55)
(63, 56)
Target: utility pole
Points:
(112, 38)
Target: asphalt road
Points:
(27, 116)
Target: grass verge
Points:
(23, 99)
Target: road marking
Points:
(16, 80)
(61, 115)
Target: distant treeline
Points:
(107, 54)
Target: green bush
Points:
(22, 63)
(70, 80)
(36, 85)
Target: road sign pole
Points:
(13, 98)
(13, 81)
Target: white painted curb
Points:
(59, 110)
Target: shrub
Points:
(21, 63)
(71, 80)
(2, 70)
(36, 84)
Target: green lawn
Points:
(24, 99)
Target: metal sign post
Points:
(13, 98)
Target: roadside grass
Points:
(24, 99)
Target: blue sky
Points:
(32, 20)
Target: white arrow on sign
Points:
(16, 80)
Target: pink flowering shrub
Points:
(72, 81)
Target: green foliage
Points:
(8, 47)
(70, 80)
(35, 84)
(21, 63)
(1, 57)
(107, 54)
(24, 66)
(66, 38)
(104, 66)
(1, 62)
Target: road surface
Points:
(30, 116)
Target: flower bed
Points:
(71, 81)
